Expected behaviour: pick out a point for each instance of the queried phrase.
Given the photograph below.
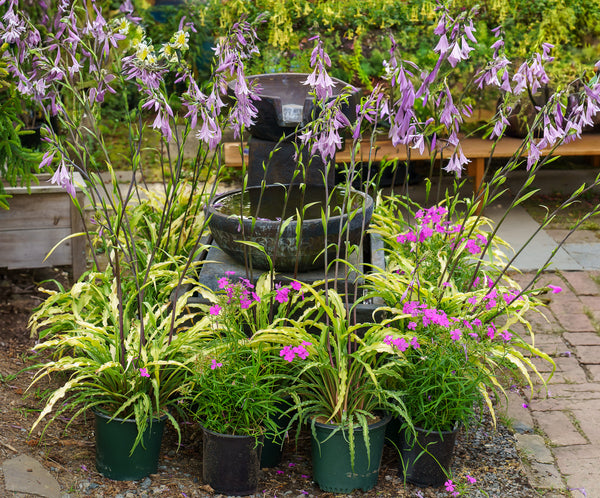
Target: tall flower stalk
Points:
(69, 72)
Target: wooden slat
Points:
(36, 211)
(587, 145)
(28, 248)
(36, 222)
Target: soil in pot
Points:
(332, 466)
(114, 440)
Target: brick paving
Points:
(558, 429)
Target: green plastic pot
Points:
(332, 469)
(114, 440)
(230, 463)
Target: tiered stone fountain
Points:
(266, 211)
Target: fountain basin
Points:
(292, 248)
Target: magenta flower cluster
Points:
(242, 294)
(431, 222)
(424, 317)
(288, 353)
(401, 343)
(451, 486)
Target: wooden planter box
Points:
(36, 222)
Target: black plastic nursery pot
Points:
(425, 458)
(332, 468)
(272, 450)
(114, 440)
(230, 464)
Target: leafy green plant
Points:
(82, 328)
(17, 163)
(451, 313)
(234, 389)
(338, 372)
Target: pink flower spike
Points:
(144, 372)
(555, 289)
(297, 286)
(214, 310)
(471, 480)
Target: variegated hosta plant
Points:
(141, 374)
(452, 311)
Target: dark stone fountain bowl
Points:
(263, 209)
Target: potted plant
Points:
(131, 382)
(451, 315)
(338, 374)
(237, 392)
(124, 343)
(233, 397)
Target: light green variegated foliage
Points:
(338, 372)
(81, 327)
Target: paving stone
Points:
(568, 370)
(567, 396)
(593, 372)
(519, 417)
(551, 344)
(591, 304)
(534, 447)
(558, 428)
(588, 355)
(582, 338)
(581, 282)
(571, 316)
(587, 420)
(23, 474)
(544, 476)
(579, 465)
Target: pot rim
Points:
(102, 414)
(385, 418)
(368, 204)
(258, 437)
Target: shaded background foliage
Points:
(356, 34)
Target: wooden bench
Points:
(476, 149)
